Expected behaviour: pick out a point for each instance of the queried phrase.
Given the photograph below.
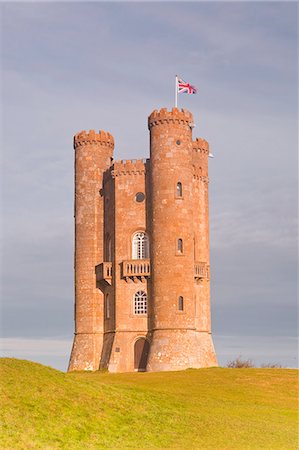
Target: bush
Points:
(240, 363)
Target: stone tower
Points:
(142, 252)
(93, 153)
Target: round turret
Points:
(200, 157)
(175, 116)
(92, 138)
(93, 154)
(172, 246)
(201, 234)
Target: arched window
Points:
(140, 303)
(181, 303)
(140, 246)
(180, 245)
(107, 307)
(179, 189)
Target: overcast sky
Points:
(66, 67)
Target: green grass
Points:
(42, 408)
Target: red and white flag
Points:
(185, 88)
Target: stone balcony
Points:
(140, 270)
(201, 270)
(136, 270)
(104, 273)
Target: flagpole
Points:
(176, 91)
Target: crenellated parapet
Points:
(175, 116)
(128, 167)
(92, 138)
(201, 146)
(200, 159)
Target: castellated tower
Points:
(142, 272)
(93, 154)
(179, 235)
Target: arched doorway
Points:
(141, 350)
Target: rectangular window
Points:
(180, 245)
(140, 303)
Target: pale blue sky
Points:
(72, 66)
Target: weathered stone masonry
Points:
(142, 270)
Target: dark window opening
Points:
(181, 303)
(139, 197)
(179, 189)
(180, 245)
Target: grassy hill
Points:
(42, 408)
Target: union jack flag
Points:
(185, 88)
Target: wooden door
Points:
(141, 350)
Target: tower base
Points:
(86, 351)
(180, 349)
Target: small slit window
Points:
(180, 245)
(140, 303)
(181, 303)
(179, 189)
(108, 249)
(107, 307)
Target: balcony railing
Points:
(201, 270)
(140, 270)
(104, 272)
(136, 269)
